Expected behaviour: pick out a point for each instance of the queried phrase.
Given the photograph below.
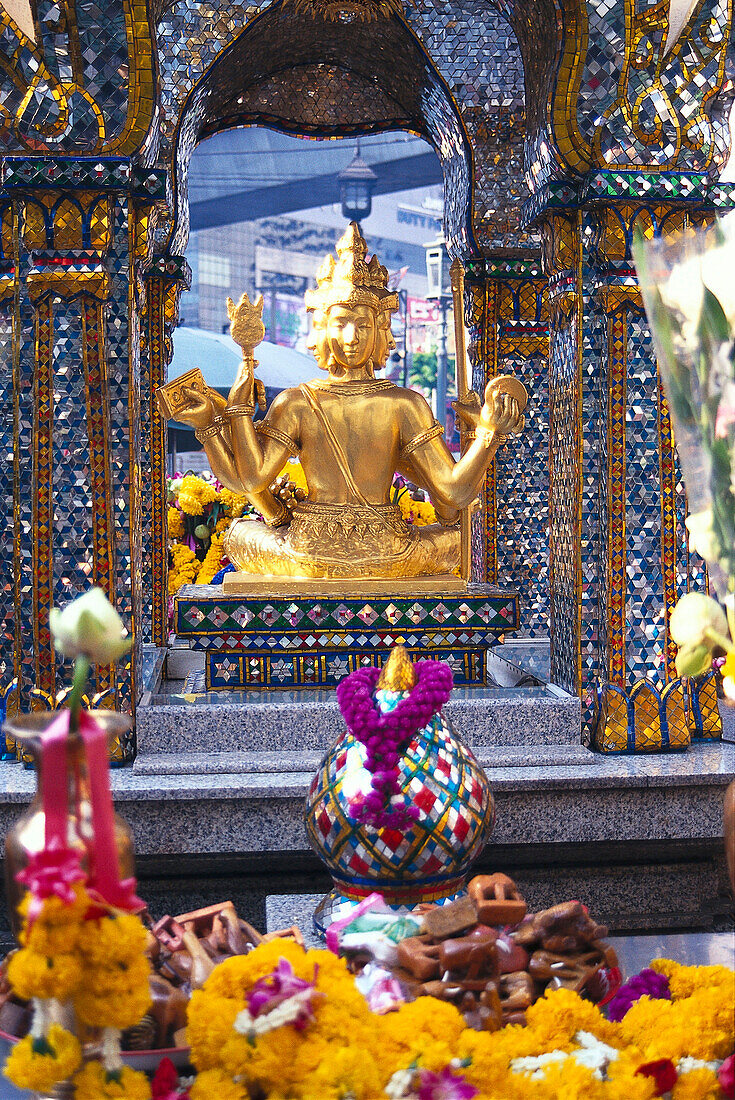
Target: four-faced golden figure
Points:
(352, 432)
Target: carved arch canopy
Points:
(76, 77)
(617, 84)
(305, 75)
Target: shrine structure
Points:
(562, 127)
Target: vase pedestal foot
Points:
(335, 906)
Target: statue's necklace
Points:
(350, 389)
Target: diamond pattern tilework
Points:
(441, 777)
(298, 665)
(594, 488)
(7, 608)
(645, 636)
(459, 628)
(520, 483)
(123, 373)
(563, 490)
(201, 610)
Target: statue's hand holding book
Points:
(188, 399)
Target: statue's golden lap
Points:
(352, 432)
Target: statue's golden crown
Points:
(350, 280)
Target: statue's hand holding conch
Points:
(505, 400)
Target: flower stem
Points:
(714, 638)
(81, 672)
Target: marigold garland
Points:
(347, 1051)
(176, 529)
(95, 1083)
(41, 977)
(697, 1084)
(212, 560)
(40, 1064)
(101, 970)
(215, 1082)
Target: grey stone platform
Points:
(637, 838)
(517, 722)
(215, 801)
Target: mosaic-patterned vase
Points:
(424, 862)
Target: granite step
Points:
(172, 721)
(639, 838)
(307, 761)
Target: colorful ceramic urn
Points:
(399, 805)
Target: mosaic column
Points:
(618, 554)
(75, 389)
(8, 641)
(509, 310)
(164, 280)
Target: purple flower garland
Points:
(646, 984)
(386, 736)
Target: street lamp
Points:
(437, 274)
(356, 184)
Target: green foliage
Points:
(422, 372)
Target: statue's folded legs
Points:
(343, 541)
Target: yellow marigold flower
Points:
(213, 1082)
(559, 1014)
(700, 1026)
(423, 513)
(234, 503)
(697, 1084)
(184, 567)
(109, 941)
(113, 996)
(211, 563)
(686, 980)
(347, 1071)
(57, 913)
(278, 1059)
(195, 493)
(425, 1020)
(191, 504)
(94, 1083)
(209, 1026)
(182, 554)
(176, 529)
(44, 976)
(234, 977)
(50, 939)
(40, 1064)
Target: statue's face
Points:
(351, 334)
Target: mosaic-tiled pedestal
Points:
(314, 641)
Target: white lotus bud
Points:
(702, 538)
(683, 293)
(694, 619)
(89, 626)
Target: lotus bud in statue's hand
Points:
(91, 627)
